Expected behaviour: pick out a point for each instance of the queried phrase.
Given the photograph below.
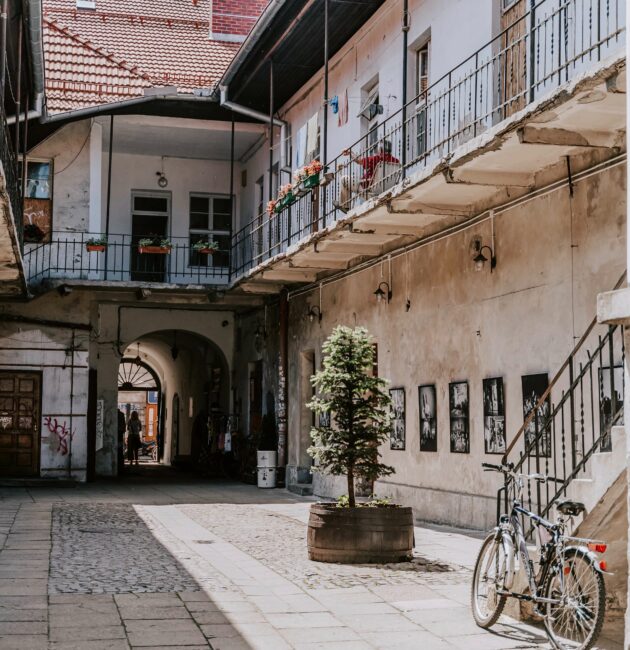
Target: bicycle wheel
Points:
(488, 577)
(575, 620)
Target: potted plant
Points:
(347, 444)
(206, 246)
(33, 233)
(313, 171)
(155, 244)
(267, 454)
(271, 206)
(96, 244)
(299, 177)
(285, 197)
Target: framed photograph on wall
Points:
(605, 380)
(428, 417)
(534, 387)
(397, 434)
(459, 417)
(493, 416)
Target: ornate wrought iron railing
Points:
(549, 45)
(572, 419)
(69, 255)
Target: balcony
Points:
(551, 85)
(71, 256)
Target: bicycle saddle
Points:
(571, 508)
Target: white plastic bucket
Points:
(267, 459)
(266, 477)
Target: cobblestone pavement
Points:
(224, 567)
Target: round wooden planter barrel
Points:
(360, 535)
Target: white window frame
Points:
(208, 232)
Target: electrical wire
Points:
(87, 137)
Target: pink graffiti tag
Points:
(63, 433)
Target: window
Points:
(38, 200)
(422, 69)
(422, 86)
(371, 108)
(507, 4)
(210, 219)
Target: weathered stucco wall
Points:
(554, 257)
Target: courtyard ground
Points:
(176, 563)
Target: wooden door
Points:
(20, 414)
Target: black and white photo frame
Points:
(459, 412)
(397, 434)
(494, 416)
(427, 400)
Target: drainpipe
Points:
(233, 228)
(271, 146)
(405, 30)
(29, 115)
(24, 150)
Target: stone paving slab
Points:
(223, 567)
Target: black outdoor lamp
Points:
(314, 312)
(480, 259)
(381, 293)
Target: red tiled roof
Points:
(113, 53)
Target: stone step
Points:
(302, 489)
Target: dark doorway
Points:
(20, 406)
(255, 398)
(149, 220)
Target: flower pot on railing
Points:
(311, 181)
(154, 250)
(95, 248)
(206, 251)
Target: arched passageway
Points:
(178, 382)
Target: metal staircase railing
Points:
(572, 419)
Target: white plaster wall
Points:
(465, 325)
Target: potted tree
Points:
(96, 244)
(155, 244)
(346, 443)
(267, 455)
(206, 246)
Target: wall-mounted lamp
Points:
(383, 294)
(480, 259)
(162, 180)
(313, 313)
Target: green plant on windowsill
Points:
(206, 246)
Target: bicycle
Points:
(567, 588)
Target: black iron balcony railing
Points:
(11, 178)
(552, 43)
(73, 255)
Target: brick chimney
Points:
(232, 20)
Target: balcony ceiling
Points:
(198, 139)
(296, 35)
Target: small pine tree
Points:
(357, 409)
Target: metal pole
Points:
(232, 225)
(326, 98)
(270, 145)
(24, 150)
(18, 93)
(3, 48)
(532, 49)
(405, 30)
(109, 189)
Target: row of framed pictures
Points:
(494, 432)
